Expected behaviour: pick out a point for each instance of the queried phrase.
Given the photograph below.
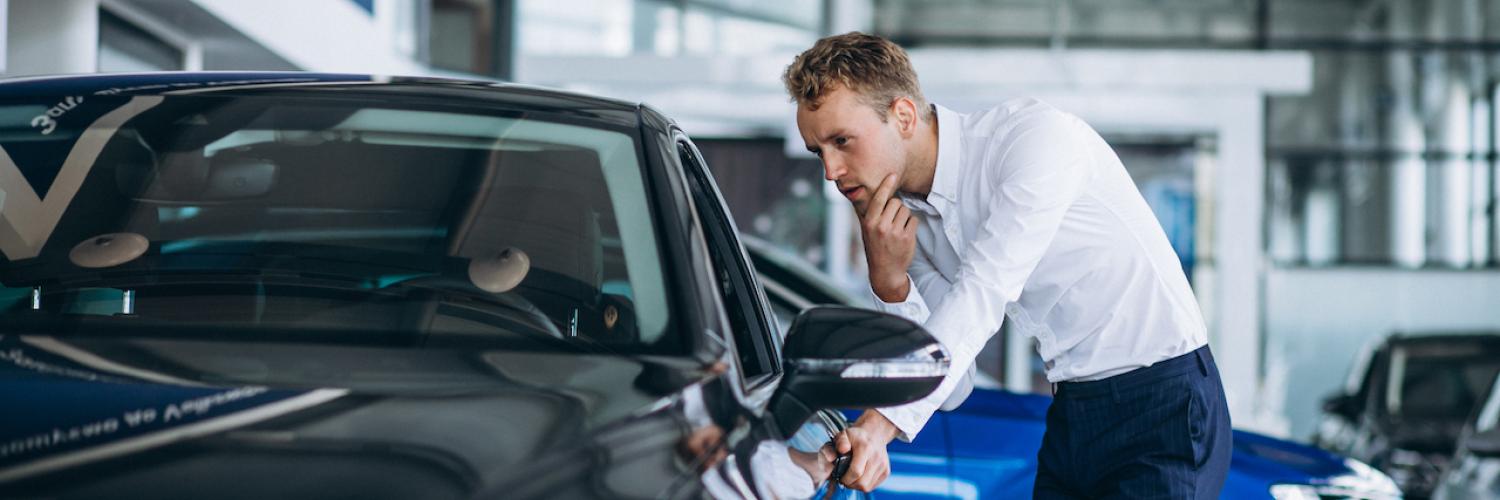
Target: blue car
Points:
(986, 448)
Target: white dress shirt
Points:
(1032, 217)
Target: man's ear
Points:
(904, 110)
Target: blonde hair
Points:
(873, 67)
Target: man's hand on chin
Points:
(866, 441)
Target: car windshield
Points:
(326, 220)
(1446, 380)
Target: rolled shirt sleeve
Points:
(1039, 175)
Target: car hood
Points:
(168, 419)
(1257, 455)
(1282, 461)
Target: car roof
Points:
(329, 84)
(1444, 337)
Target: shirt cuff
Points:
(907, 419)
(912, 308)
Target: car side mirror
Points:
(1484, 444)
(844, 357)
(1345, 406)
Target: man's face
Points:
(857, 148)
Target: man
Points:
(1019, 211)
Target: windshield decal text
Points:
(136, 417)
(48, 121)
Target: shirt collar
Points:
(949, 161)
(945, 176)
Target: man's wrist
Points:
(892, 290)
(874, 422)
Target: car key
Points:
(840, 464)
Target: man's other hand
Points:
(866, 440)
(890, 234)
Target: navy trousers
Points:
(1156, 432)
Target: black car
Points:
(1474, 472)
(272, 285)
(1407, 402)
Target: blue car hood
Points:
(1263, 457)
(1282, 461)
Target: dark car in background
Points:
(290, 285)
(1474, 471)
(986, 448)
(1407, 401)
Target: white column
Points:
(4, 34)
(839, 226)
(850, 15)
(1286, 241)
(1479, 220)
(1494, 138)
(52, 37)
(1321, 226)
(1455, 172)
(1408, 190)
(1018, 355)
(1239, 251)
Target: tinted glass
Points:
(330, 220)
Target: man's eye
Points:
(841, 141)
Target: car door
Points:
(757, 335)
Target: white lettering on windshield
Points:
(20, 359)
(137, 417)
(48, 121)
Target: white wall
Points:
(51, 37)
(1316, 321)
(323, 36)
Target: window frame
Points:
(714, 216)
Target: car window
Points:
(785, 302)
(754, 332)
(1489, 416)
(261, 218)
(1447, 381)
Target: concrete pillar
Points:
(1019, 352)
(843, 16)
(1494, 138)
(1238, 218)
(1455, 172)
(4, 37)
(1408, 172)
(52, 37)
(1321, 221)
(1480, 194)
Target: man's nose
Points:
(832, 170)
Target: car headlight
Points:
(1412, 470)
(1294, 492)
(1363, 483)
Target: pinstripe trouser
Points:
(1156, 432)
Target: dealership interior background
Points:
(1326, 169)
